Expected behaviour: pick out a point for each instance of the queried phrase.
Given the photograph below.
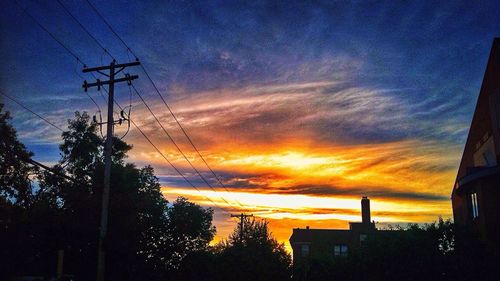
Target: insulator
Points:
(129, 81)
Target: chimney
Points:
(365, 210)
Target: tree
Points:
(434, 251)
(252, 254)
(190, 228)
(15, 174)
(21, 204)
(145, 234)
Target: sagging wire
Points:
(122, 116)
(122, 113)
(128, 57)
(94, 120)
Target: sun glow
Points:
(288, 211)
(288, 153)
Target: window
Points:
(485, 153)
(305, 250)
(340, 250)
(475, 209)
(362, 238)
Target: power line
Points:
(109, 26)
(34, 113)
(175, 168)
(84, 65)
(184, 131)
(29, 160)
(25, 10)
(68, 50)
(85, 29)
(161, 97)
(175, 144)
(168, 161)
(139, 95)
(98, 43)
(54, 172)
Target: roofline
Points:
(496, 40)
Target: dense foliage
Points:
(248, 254)
(435, 251)
(42, 212)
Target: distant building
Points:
(476, 193)
(317, 243)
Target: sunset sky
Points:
(299, 108)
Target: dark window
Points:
(362, 238)
(475, 208)
(340, 250)
(304, 249)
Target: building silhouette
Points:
(476, 192)
(331, 243)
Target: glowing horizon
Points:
(286, 212)
(299, 108)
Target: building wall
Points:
(479, 171)
(486, 115)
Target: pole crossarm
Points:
(106, 67)
(99, 83)
(241, 215)
(242, 218)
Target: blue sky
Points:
(388, 77)
(429, 53)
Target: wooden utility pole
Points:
(60, 264)
(242, 218)
(113, 70)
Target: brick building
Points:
(320, 243)
(476, 193)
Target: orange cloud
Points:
(298, 154)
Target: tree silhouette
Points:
(434, 251)
(146, 235)
(16, 186)
(252, 254)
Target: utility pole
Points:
(242, 218)
(113, 70)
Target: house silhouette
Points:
(476, 192)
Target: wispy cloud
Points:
(326, 100)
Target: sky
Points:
(299, 107)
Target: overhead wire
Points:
(25, 10)
(175, 144)
(161, 97)
(168, 161)
(30, 160)
(68, 50)
(172, 165)
(85, 29)
(135, 125)
(158, 121)
(109, 26)
(31, 111)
